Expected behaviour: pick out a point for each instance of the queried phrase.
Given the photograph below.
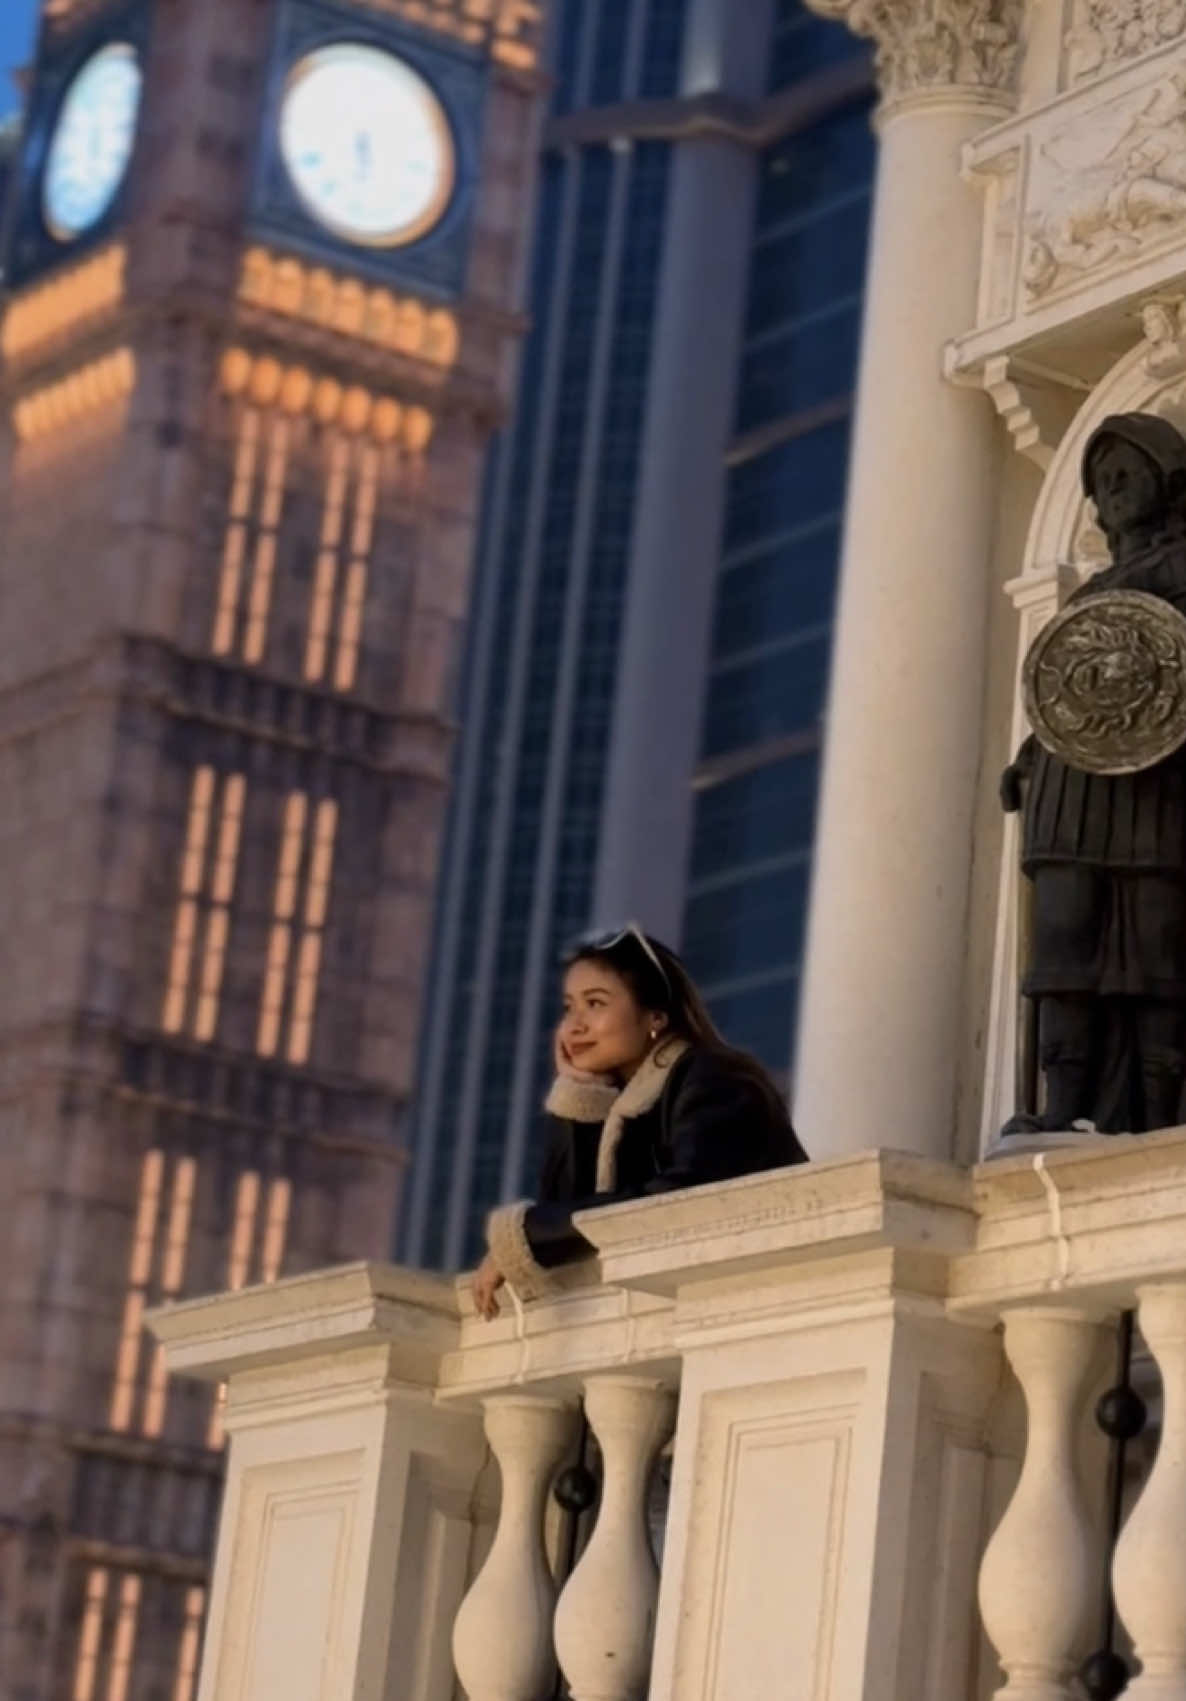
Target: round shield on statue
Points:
(1105, 682)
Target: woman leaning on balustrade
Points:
(647, 1098)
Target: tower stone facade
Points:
(263, 265)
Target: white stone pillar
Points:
(880, 1011)
(1149, 1574)
(502, 1640)
(606, 1617)
(1039, 1580)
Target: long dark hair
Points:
(659, 981)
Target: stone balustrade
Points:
(884, 1369)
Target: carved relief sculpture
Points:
(1108, 32)
(941, 44)
(1102, 781)
(1110, 182)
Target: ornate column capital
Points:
(929, 48)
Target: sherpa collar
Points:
(614, 1109)
(580, 1100)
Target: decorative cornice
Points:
(230, 700)
(281, 284)
(95, 386)
(297, 390)
(1109, 32)
(1035, 403)
(512, 29)
(928, 48)
(46, 311)
(219, 1088)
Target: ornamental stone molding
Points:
(264, 382)
(89, 389)
(79, 295)
(927, 48)
(1163, 320)
(1084, 223)
(1113, 182)
(513, 28)
(1109, 32)
(330, 301)
(1034, 404)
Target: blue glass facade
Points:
(542, 662)
(768, 670)
(554, 582)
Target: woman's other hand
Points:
(487, 1281)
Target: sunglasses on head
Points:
(611, 938)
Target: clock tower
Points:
(262, 264)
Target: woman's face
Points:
(604, 1030)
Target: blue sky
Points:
(18, 26)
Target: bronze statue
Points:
(1104, 834)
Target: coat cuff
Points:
(580, 1101)
(506, 1236)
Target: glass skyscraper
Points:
(755, 786)
(645, 674)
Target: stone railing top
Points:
(878, 1199)
(718, 1261)
(1087, 1223)
(337, 1310)
(1084, 1226)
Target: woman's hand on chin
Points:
(566, 1067)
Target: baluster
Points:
(1038, 1577)
(1149, 1573)
(1120, 1412)
(606, 1617)
(502, 1637)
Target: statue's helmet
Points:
(1158, 440)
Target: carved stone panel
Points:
(1084, 212)
(1105, 185)
(1109, 32)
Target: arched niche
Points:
(1064, 546)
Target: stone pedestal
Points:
(348, 1524)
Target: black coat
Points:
(712, 1121)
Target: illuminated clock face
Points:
(92, 141)
(367, 145)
